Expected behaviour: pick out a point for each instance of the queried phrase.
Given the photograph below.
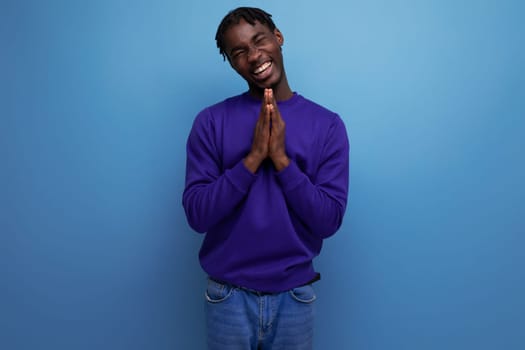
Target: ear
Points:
(279, 36)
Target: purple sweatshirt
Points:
(264, 229)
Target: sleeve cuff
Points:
(240, 177)
(290, 177)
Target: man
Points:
(266, 180)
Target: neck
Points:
(281, 91)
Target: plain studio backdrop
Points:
(97, 99)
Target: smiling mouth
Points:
(262, 68)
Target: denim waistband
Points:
(313, 280)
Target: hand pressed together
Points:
(269, 136)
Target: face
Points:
(255, 53)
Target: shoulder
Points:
(226, 104)
(314, 108)
(209, 114)
(324, 122)
(317, 112)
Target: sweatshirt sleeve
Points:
(320, 202)
(210, 194)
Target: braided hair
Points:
(249, 14)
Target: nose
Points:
(253, 53)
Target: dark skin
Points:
(254, 52)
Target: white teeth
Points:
(263, 67)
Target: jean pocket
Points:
(304, 294)
(217, 292)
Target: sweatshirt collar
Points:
(295, 97)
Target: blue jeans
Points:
(242, 319)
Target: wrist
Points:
(252, 162)
(281, 163)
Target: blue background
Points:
(98, 97)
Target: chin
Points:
(260, 86)
(269, 84)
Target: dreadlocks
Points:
(249, 14)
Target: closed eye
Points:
(260, 40)
(237, 53)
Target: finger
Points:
(274, 104)
(276, 115)
(264, 117)
(269, 113)
(271, 98)
(266, 96)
